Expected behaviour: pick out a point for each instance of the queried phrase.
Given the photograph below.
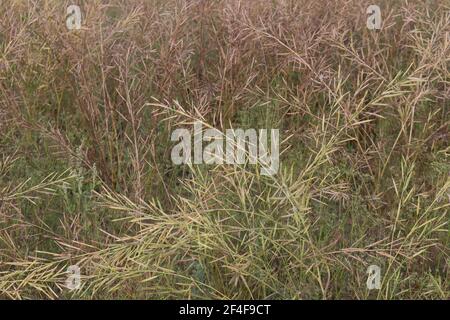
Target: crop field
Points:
(224, 149)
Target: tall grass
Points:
(86, 176)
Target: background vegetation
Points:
(86, 176)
